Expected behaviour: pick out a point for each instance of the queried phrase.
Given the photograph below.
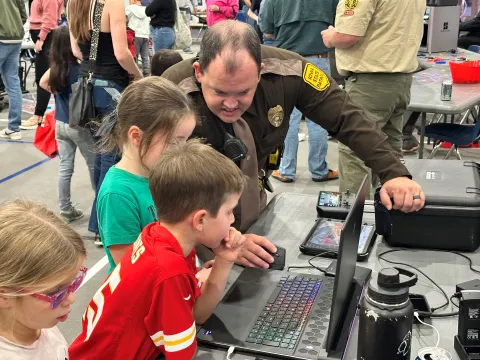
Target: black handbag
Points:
(81, 107)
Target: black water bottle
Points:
(386, 317)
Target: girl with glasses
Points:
(41, 266)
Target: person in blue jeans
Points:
(111, 71)
(12, 18)
(295, 26)
(58, 80)
(162, 14)
(104, 103)
(317, 143)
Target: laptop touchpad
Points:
(246, 295)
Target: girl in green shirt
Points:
(151, 114)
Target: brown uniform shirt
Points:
(287, 81)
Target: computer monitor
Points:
(346, 263)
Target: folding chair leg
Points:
(434, 150)
(457, 153)
(449, 152)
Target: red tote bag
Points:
(45, 136)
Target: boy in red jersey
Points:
(152, 300)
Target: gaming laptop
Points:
(294, 315)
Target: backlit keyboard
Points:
(284, 316)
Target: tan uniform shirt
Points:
(287, 81)
(390, 31)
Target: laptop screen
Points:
(346, 262)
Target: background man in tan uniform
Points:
(376, 45)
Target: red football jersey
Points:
(145, 306)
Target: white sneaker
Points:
(301, 137)
(10, 134)
(97, 241)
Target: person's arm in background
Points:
(350, 26)
(266, 18)
(118, 26)
(471, 25)
(251, 11)
(75, 48)
(23, 11)
(48, 23)
(230, 10)
(248, 3)
(154, 7)
(44, 81)
(252, 15)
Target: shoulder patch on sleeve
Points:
(351, 5)
(315, 77)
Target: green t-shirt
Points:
(124, 206)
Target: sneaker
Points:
(332, 175)
(188, 51)
(30, 124)
(410, 145)
(72, 215)
(276, 175)
(301, 137)
(97, 241)
(10, 134)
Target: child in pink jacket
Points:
(219, 10)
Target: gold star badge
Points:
(275, 116)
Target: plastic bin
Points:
(465, 72)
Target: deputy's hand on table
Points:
(327, 36)
(253, 253)
(231, 246)
(38, 46)
(407, 195)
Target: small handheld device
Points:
(334, 205)
(324, 237)
(420, 304)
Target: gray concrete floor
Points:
(39, 184)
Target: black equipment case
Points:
(450, 219)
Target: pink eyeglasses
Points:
(57, 297)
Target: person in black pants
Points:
(44, 17)
(473, 36)
(43, 96)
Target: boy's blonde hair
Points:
(35, 246)
(192, 177)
